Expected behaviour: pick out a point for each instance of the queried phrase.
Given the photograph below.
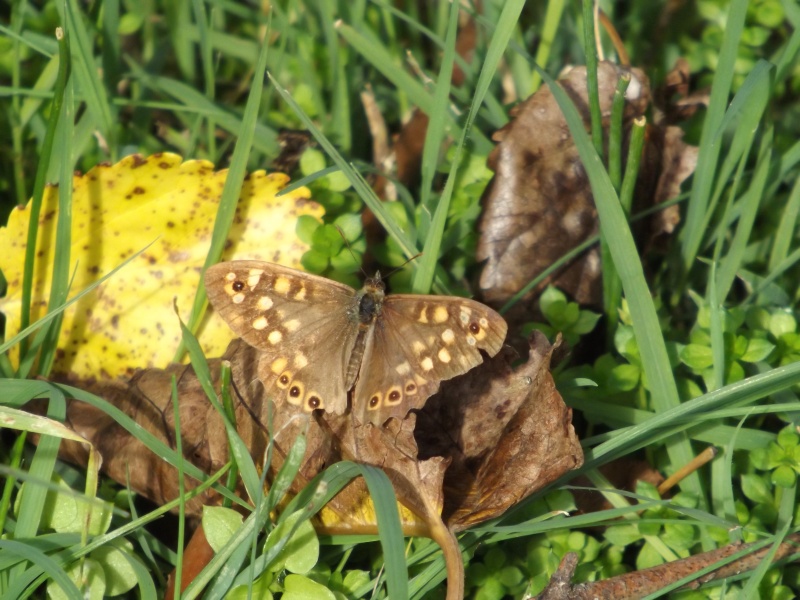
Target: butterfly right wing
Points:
(301, 323)
(418, 342)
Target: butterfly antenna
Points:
(396, 269)
(393, 271)
(350, 250)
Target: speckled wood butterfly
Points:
(320, 339)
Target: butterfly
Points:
(320, 339)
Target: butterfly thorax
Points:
(370, 300)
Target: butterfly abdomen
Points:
(367, 309)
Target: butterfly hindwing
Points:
(302, 324)
(417, 342)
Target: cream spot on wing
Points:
(301, 295)
(423, 315)
(231, 276)
(471, 340)
(264, 303)
(403, 368)
(480, 335)
(465, 314)
(440, 314)
(418, 347)
(275, 337)
(444, 355)
(237, 298)
(484, 322)
(300, 360)
(292, 325)
(260, 323)
(278, 365)
(254, 277)
(282, 285)
(427, 363)
(448, 337)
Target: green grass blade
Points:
(241, 454)
(646, 326)
(54, 571)
(39, 184)
(552, 19)
(355, 178)
(786, 227)
(710, 142)
(59, 286)
(751, 201)
(377, 55)
(434, 136)
(83, 63)
(423, 278)
(176, 413)
(230, 191)
(389, 530)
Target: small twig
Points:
(639, 584)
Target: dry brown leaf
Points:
(539, 204)
(509, 431)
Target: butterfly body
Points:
(322, 340)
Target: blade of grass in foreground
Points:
(355, 178)
(647, 329)
(244, 461)
(230, 191)
(39, 184)
(710, 142)
(59, 286)
(430, 255)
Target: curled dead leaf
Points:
(506, 431)
(450, 452)
(484, 442)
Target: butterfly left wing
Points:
(417, 342)
(301, 324)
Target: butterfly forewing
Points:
(302, 324)
(417, 342)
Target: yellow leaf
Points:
(128, 322)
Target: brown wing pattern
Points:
(299, 321)
(417, 342)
